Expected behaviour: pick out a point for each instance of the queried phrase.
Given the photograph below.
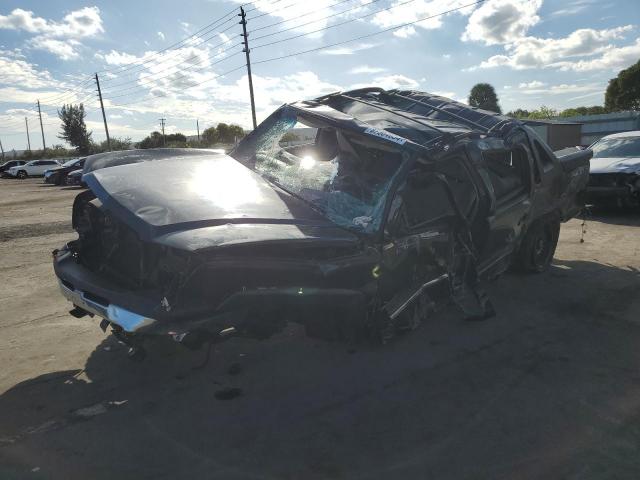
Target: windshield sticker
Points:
(386, 135)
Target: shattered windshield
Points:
(345, 177)
(616, 147)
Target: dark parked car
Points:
(402, 201)
(4, 168)
(74, 178)
(58, 175)
(614, 177)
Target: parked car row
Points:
(21, 169)
(54, 171)
(59, 174)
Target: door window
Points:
(508, 172)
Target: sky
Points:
(183, 61)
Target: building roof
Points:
(548, 122)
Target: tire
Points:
(538, 246)
(22, 174)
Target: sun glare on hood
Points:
(225, 184)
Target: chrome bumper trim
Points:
(128, 320)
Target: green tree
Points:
(577, 111)
(74, 130)
(175, 140)
(483, 96)
(518, 113)
(623, 92)
(209, 136)
(543, 113)
(154, 140)
(222, 133)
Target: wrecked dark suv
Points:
(353, 214)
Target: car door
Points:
(32, 169)
(507, 172)
(417, 253)
(43, 166)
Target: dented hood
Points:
(200, 202)
(615, 165)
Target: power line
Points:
(331, 26)
(257, 8)
(297, 17)
(328, 16)
(141, 85)
(361, 37)
(173, 45)
(187, 88)
(176, 52)
(138, 81)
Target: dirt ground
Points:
(548, 389)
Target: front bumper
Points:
(623, 189)
(49, 177)
(257, 312)
(129, 321)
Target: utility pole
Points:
(44, 145)
(2, 150)
(104, 116)
(246, 51)
(28, 139)
(198, 128)
(164, 140)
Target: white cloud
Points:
(160, 35)
(63, 49)
(85, 22)
(390, 82)
(611, 58)
(15, 70)
(502, 21)
(574, 7)
(404, 12)
(60, 38)
(541, 88)
(534, 52)
(533, 84)
(299, 16)
(20, 19)
(348, 50)
(366, 69)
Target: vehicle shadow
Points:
(615, 215)
(550, 387)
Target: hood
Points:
(125, 157)
(161, 200)
(615, 165)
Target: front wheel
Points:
(538, 246)
(22, 174)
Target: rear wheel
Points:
(538, 246)
(22, 174)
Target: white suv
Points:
(32, 169)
